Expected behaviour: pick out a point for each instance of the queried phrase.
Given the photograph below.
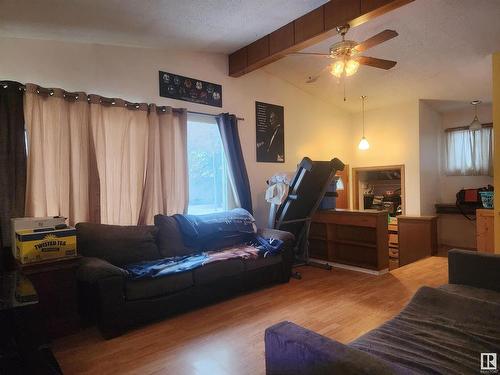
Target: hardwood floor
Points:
(228, 338)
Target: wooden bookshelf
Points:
(350, 237)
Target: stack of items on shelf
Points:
(393, 243)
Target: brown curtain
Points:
(12, 158)
(166, 185)
(57, 126)
(228, 128)
(120, 141)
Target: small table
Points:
(55, 282)
(23, 342)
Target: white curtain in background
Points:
(469, 152)
(166, 184)
(58, 155)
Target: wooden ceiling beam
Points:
(306, 31)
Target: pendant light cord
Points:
(363, 110)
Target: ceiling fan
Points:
(346, 54)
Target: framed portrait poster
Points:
(270, 129)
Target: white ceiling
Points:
(202, 25)
(443, 51)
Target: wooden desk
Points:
(350, 237)
(485, 230)
(417, 238)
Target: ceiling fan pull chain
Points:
(345, 99)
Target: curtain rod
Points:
(43, 90)
(203, 113)
(458, 128)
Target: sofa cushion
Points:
(472, 292)
(217, 270)
(438, 332)
(261, 262)
(156, 287)
(119, 245)
(169, 237)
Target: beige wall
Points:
(429, 130)
(312, 127)
(393, 134)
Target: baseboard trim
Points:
(352, 268)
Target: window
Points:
(469, 152)
(209, 187)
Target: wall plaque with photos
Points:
(270, 128)
(193, 90)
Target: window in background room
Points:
(209, 186)
(469, 152)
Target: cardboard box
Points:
(19, 223)
(35, 246)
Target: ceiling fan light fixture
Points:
(337, 68)
(351, 67)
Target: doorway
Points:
(381, 187)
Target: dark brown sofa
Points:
(115, 302)
(441, 331)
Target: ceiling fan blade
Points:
(376, 63)
(310, 54)
(376, 40)
(315, 77)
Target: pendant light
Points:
(475, 124)
(363, 144)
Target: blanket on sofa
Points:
(437, 333)
(259, 247)
(216, 230)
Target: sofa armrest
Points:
(293, 350)
(286, 237)
(480, 270)
(92, 270)
(102, 294)
(288, 245)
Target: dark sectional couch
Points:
(441, 331)
(116, 302)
